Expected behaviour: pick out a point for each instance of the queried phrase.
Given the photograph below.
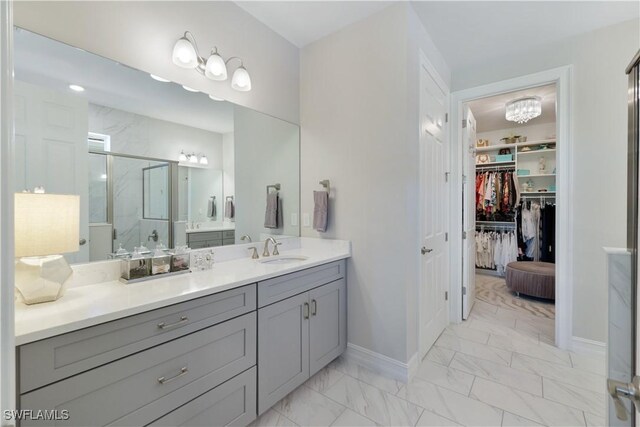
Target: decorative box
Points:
(524, 172)
(552, 187)
(504, 158)
(482, 143)
(136, 268)
(160, 264)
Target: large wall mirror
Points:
(154, 163)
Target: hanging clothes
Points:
(496, 195)
(496, 249)
(535, 226)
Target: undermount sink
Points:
(283, 259)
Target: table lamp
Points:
(46, 225)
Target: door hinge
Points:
(115, 234)
(464, 179)
(464, 235)
(446, 176)
(446, 117)
(464, 123)
(446, 237)
(446, 295)
(464, 290)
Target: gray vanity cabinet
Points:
(283, 349)
(299, 335)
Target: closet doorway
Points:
(514, 240)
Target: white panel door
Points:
(51, 131)
(469, 214)
(435, 201)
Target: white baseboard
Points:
(383, 364)
(588, 347)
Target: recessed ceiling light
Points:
(76, 88)
(158, 78)
(215, 98)
(190, 89)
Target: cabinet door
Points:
(328, 324)
(283, 349)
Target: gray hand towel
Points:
(212, 209)
(320, 210)
(229, 209)
(271, 212)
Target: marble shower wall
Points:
(139, 135)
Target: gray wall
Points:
(359, 118)
(599, 129)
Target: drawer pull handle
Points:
(305, 312)
(183, 319)
(183, 371)
(314, 307)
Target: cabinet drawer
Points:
(232, 403)
(279, 288)
(205, 235)
(227, 242)
(198, 245)
(140, 388)
(53, 359)
(214, 243)
(229, 234)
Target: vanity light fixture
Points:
(193, 158)
(158, 78)
(185, 55)
(204, 160)
(182, 157)
(523, 109)
(189, 89)
(76, 88)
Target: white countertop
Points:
(89, 305)
(214, 228)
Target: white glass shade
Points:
(241, 80)
(524, 109)
(184, 54)
(158, 78)
(216, 69)
(46, 224)
(182, 157)
(193, 158)
(215, 98)
(204, 160)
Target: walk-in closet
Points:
(511, 201)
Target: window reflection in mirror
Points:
(133, 148)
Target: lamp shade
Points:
(216, 69)
(241, 80)
(184, 54)
(46, 224)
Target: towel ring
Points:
(274, 186)
(326, 184)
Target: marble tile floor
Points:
(496, 369)
(493, 290)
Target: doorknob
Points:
(82, 242)
(425, 251)
(618, 390)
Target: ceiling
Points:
(49, 63)
(466, 32)
(489, 112)
(303, 22)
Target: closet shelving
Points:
(529, 161)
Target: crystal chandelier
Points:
(523, 109)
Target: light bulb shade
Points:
(241, 80)
(193, 158)
(182, 157)
(524, 109)
(46, 224)
(216, 69)
(204, 160)
(184, 54)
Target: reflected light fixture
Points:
(158, 78)
(182, 157)
(193, 158)
(204, 160)
(76, 88)
(522, 110)
(185, 55)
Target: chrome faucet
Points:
(246, 237)
(266, 247)
(254, 255)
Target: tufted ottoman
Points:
(537, 279)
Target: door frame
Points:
(429, 68)
(561, 76)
